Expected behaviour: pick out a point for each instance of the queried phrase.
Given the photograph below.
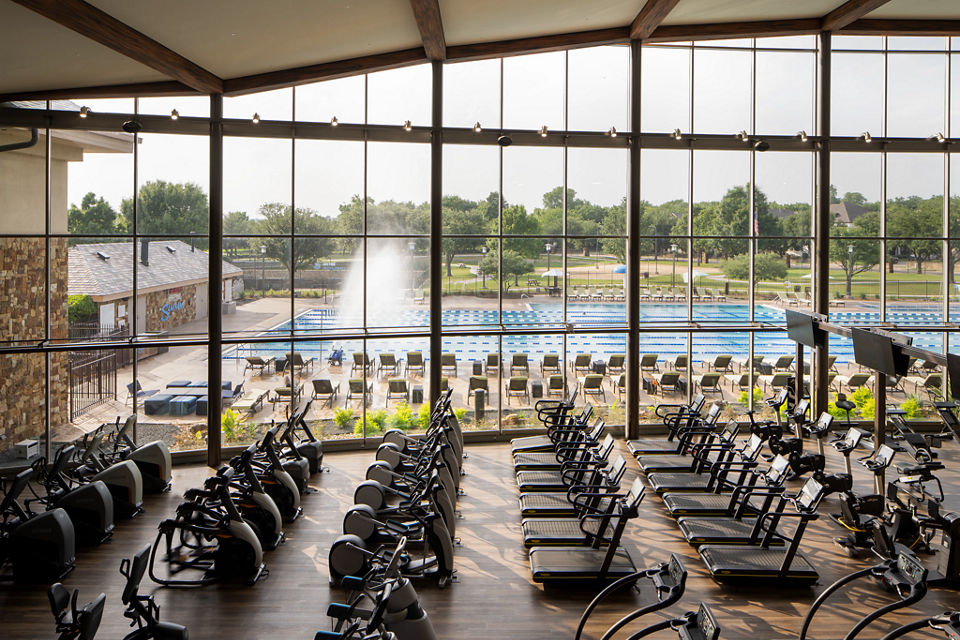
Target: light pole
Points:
(548, 247)
(673, 276)
(263, 267)
(849, 270)
(412, 245)
(483, 272)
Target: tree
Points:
(93, 217)
(236, 223)
(766, 266)
(615, 224)
(168, 208)
(517, 222)
(856, 256)
(461, 223)
(855, 197)
(513, 265)
(276, 222)
(917, 218)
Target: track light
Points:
(938, 136)
(84, 111)
(866, 137)
(334, 122)
(256, 118)
(477, 128)
(174, 115)
(743, 135)
(407, 126)
(612, 132)
(543, 131)
(676, 134)
(761, 145)
(803, 136)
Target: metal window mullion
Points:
(883, 236)
(134, 266)
(214, 282)
(293, 249)
(47, 215)
(363, 257)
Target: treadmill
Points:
(688, 460)
(566, 504)
(706, 478)
(594, 526)
(682, 418)
(571, 472)
(578, 448)
(558, 424)
(732, 498)
(762, 561)
(593, 563)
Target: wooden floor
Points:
(494, 597)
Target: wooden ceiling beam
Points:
(877, 27)
(144, 89)
(650, 17)
(324, 71)
(539, 44)
(427, 13)
(106, 30)
(720, 31)
(849, 11)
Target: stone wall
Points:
(171, 308)
(22, 311)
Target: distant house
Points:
(171, 282)
(846, 212)
(780, 213)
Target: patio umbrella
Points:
(555, 273)
(696, 274)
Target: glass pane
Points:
(856, 42)
(257, 180)
(186, 106)
(472, 367)
(788, 42)
(596, 281)
(470, 281)
(318, 278)
(342, 98)
(471, 94)
(90, 388)
(25, 417)
(24, 295)
(915, 91)
(665, 89)
(599, 92)
(954, 218)
(471, 191)
(855, 192)
(397, 380)
(532, 178)
(664, 176)
(398, 95)
(173, 172)
(721, 101)
(597, 196)
(954, 94)
(172, 285)
(91, 182)
(856, 94)
(397, 276)
(262, 290)
(522, 274)
(329, 181)
(100, 105)
(785, 92)
(721, 282)
(600, 382)
(915, 276)
(533, 91)
(23, 187)
(917, 43)
(99, 285)
(915, 196)
(398, 186)
(269, 105)
(671, 362)
(720, 195)
(784, 195)
(176, 409)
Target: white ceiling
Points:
(234, 38)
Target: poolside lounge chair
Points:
(667, 296)
(616, 363)
(776, 381)
(894, 384)
(645, 294)
(478, 382)
(658, 294)
(931, 384)
(779, 299)
(592, 385)
(250, 402)
(619, 296)
(855, 381)
(620, 386)
(922, 367)
(397, 390)
(668, 381)
(679, 363)
(723, 363)
(783, 363)
(520, 362)
(706, 296)
(709, 383)
(284, 393)
(742, 363)
(837, 302)
(694, 294)
(597, 295)
(648, 362)
(739, 381)
(517, 387)
(299, 364)
(448, 361)
(388, 364)
(681, 295)
(493, 365)
(556, 386)
(581, 364)
(719, 297)
(355, 390)
(323, 389)
(140, 391)
(258, 364)
(832, 364)
(415, 363)
(608, 295)
(361, 362)
(550, 363)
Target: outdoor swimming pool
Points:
(706, 346)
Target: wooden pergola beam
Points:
(850, 11)
(427, 13)
(650, 17)
(106, 30)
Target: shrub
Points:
(767, 266)
(423, 417)
(343, 418)
(403, 418)
(460, 413)
(233, 427)
(911, 407)
(81, 308)
(861, 397)
(375, 422)
(757, 396)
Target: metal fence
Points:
(92, 380)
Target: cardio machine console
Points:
(910, 570)
(703, 627)
(810, 493)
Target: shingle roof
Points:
(847, 212)
(95, 276)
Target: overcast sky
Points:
(328, 173)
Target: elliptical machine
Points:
(123, 478)
(153, 458)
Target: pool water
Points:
(706, 346)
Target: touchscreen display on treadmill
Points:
(809, 493)
(676, 569)
(884, 455)
(910, 568)
(706, 622)
(779, 465)
(852, 437)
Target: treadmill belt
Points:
(542, 459)
(549, 532)
(548, 564)
(749, 562)
(699, 531)
(546, 503)
(664, 482)
(652, 446)
(667, 462)
(540, 481)
(531, 443)
(680, 503)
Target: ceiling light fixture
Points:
(256, 118)
(174, 115)
(803, 136)
(476, 127)
(612, 132)
(334, 122)
(407, 126)
(761, 145)
(543, 131)
(866, 137)
(84, 111)
(938, 136)
(743, 136)
(676, 134)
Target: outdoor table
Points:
(157, 404)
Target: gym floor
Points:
(494, 598)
